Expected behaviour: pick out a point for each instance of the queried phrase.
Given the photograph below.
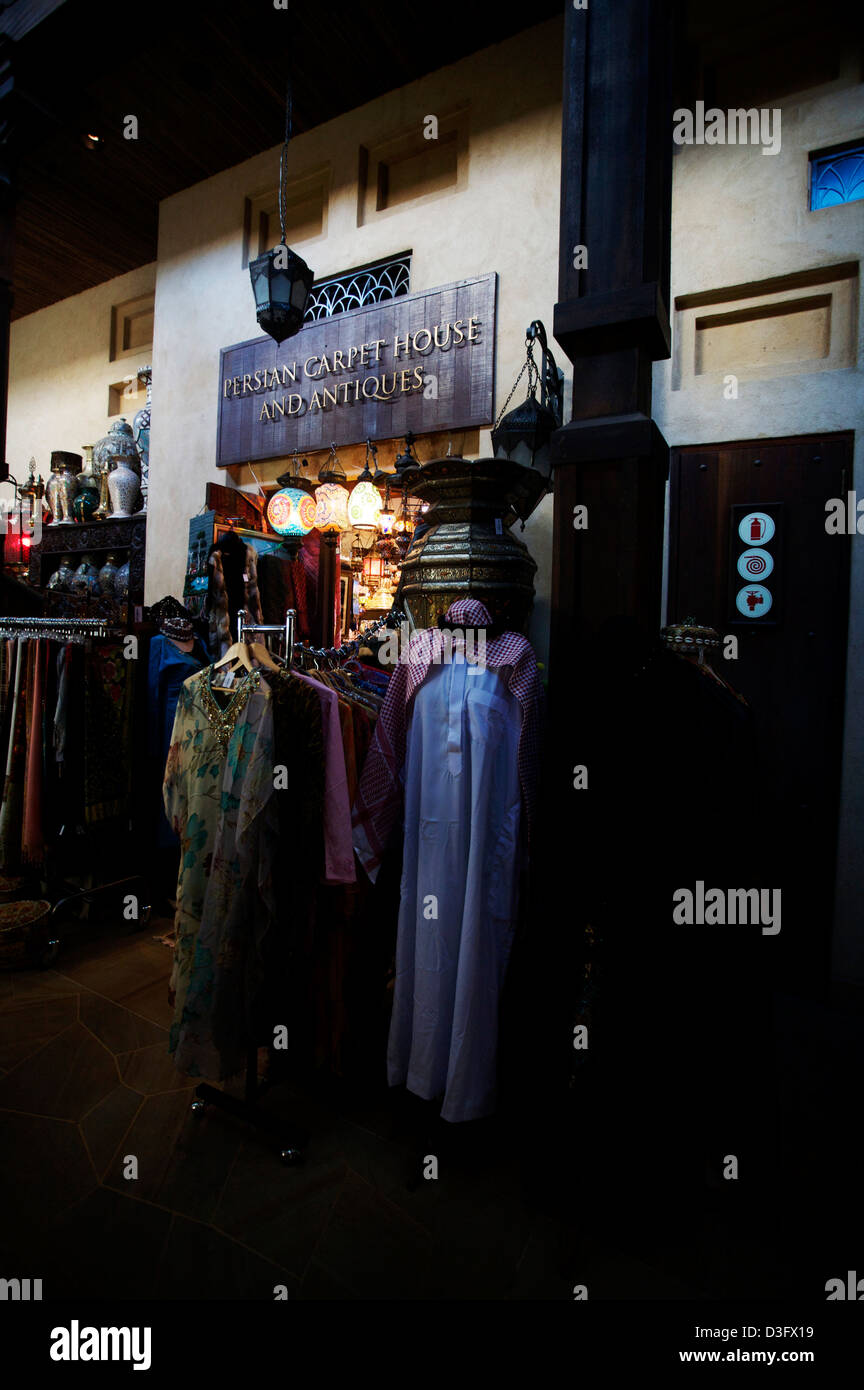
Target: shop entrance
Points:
(750, 555)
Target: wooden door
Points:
(791, 629)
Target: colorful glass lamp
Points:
(291, 512)
(331, 509)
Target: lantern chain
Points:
(533, 377)
(283, 159)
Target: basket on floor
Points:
(17, 921)
(10, 887)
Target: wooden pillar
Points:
(612, 320)
(7, 227)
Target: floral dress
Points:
(218, 796)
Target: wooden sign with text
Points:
(424, 362)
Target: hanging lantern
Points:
(386, 516)
(356, 557)
(331, 507)
(364, 508)
(373, 569)
(523, 434)
(407, 462)
(291, 512)
(381, 599)
(331, 470)
(281, 280)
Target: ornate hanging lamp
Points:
(281, 280)
(291, 511)
(364, 507)
(331, 497)
(523, 434)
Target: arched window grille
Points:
(372, 284)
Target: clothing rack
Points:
(288, 1140)
(395, 615)
(286, 630)
(76, 629)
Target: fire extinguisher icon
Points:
(756, 529)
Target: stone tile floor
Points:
(86, 1084)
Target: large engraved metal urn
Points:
(464, 546)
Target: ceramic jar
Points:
(121, 582)
(62, 486)
(87, 498)
(119, 440)
(108, 574)
(124, 486)
(61, 578)
(85, 580)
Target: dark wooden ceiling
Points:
(206, 80)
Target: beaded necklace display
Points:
(223, 719)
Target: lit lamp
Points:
(281, 280)
(364, 507)
(373, 570)
(523, 434)
(291, 512)
(331, 508)
(386, 516)
(381, 600)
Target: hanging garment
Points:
(13, 789)
(218, 796)
(233, 584)
(108, 697)
(467, 739)
(33, 837)
(168, 668)
(338, 856)
(282, 585)
(379, 801)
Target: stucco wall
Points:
(740, 216)
(505, 219)
(60, 370)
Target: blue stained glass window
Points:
(837, 178)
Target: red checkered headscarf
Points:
(379, 797)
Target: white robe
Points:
(459, 887)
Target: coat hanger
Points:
(244, 654)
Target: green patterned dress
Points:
(219, 798)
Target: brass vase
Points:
(468, 549)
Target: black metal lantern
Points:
(281, 280)
(523, 434)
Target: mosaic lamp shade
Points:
(291, 512)
(364, 508)
(331, 507)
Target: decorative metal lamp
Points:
(281, 280)
(407, 462)
(523, 434)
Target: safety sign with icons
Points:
(756, 528)
(754, 601)
(755, 535)
(755, 564)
